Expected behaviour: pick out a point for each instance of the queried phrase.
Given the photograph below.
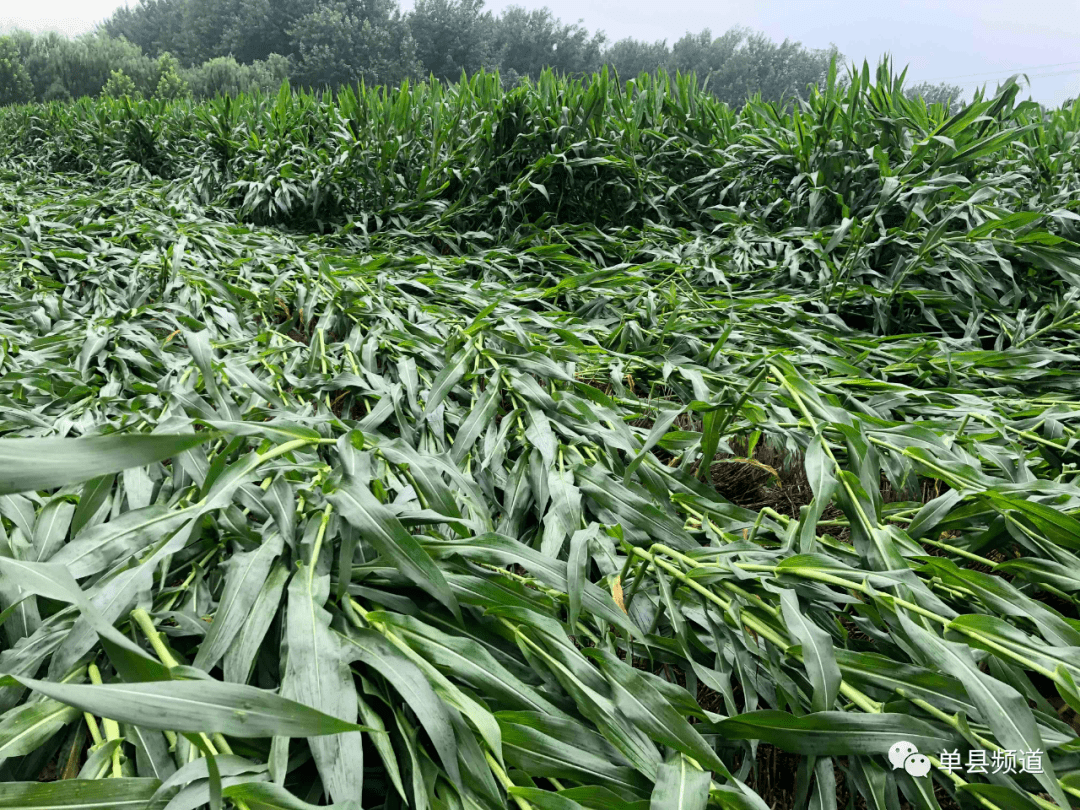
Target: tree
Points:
(259, 28)
(529, 41)
(203, 23)
(225, 76)
(56, 92)
(15, 84)
(120, 85)
(452, 36)
(949, 95)
(775, 70)
(343, 43)
(740, 63)
(45, 57)
(702, 54)
(631, 57)
(154, 25)
(170, 84)
(96, 56)
(269, 73)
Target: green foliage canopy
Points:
(345, 43)
(16, 86)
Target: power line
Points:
(1032, 76)
(1057, 73)
(1007, 71)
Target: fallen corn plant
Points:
(376, 451)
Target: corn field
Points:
(579, 445)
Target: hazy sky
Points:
(966, 42)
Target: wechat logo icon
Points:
(905, 755)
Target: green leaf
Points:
(240, 657)
(78, 794)
(543, 745)
(53, 581)
(99, 760)
(478, 419)
(680, 786)
(99, 546)
(1003, 708)
(468, 661)
(818, 656)
(381, 740)
(576, 574)
(650, 711)
(245, 575)
(94, 493)
(499, 549)
(378, 526)
(318, 675)
(274, 431)
(268, 796)
(600, 798)
(659, 429)
(830, 734)
(544, 799)
(376, 652)
(195, 706)
(450, 375)
(25, 727)
(1001, 796)
(34, 464)
(151, 752)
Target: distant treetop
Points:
(170, 48)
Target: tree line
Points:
(170, 48)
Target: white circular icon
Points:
(899, 753)
(917, 765)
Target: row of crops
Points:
(578, 446)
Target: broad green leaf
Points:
(451, 373)
(25, 727)
(78, 794)
(499, 549)
(152, 756)
(817, 649)
(467, 661)
(274, 431)
(544, 799)
(680, 786)
(319, 676)
(409, 681)
(659, 429)
(94, 493)
(240, 657)
(99, 546)
(835, 733)
(1003, 708)
(268, 796)
(381, 741)
(650, 711)
(245, 575)
(34, 464)
(195, 706)
(378, 525)
(550, 746)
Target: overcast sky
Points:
(966, 42)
